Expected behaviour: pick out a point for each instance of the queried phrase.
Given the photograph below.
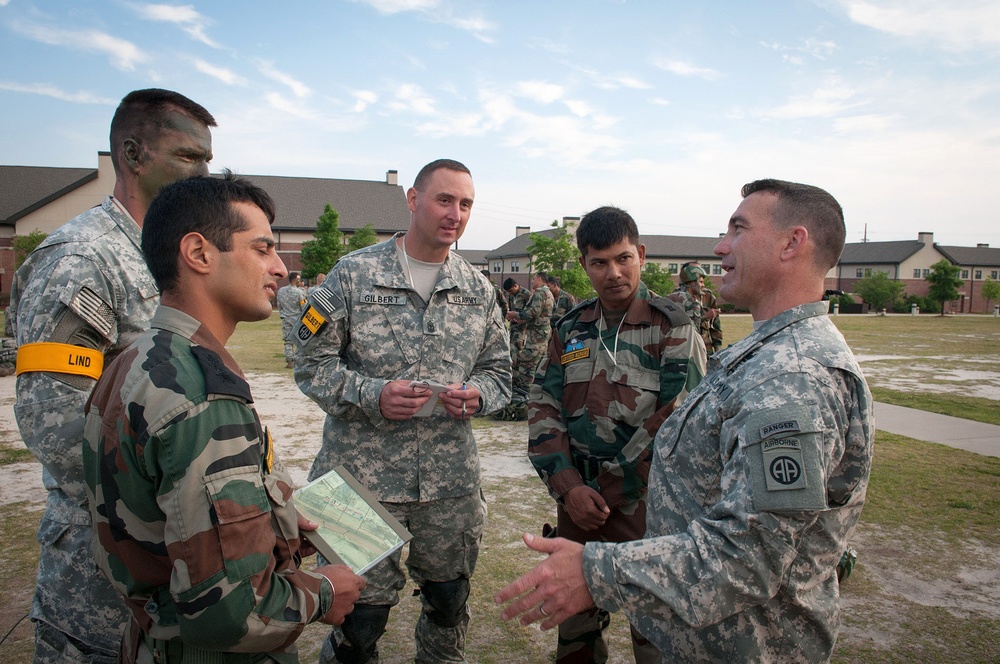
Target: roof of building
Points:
(672, 246)
(981, 256)
(24, 189)
(474, 256)
(879, 253)
(518, 246)
(300, 202)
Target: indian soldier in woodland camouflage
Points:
(388, 318)
(615, 368)
(87, 286)
(564, 300)
(291, 299)
(501, 298)
(192, 509)
(535, 315)
(758, 479)
(517, 299)
(711, 321)
(688, 292)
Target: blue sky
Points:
(663, 108)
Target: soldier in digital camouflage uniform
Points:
(563, 299)
(290, 298)
(758, 478)
(192, 509)
(536, 316)
(615, 368)
(87, 286)
(387, 318)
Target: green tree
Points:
(657, 279)
(558, 256)
(361, 238)
(25, 244)
(878, 290)
(319, 254)
(991, 291)
(944, 282)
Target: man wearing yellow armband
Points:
(79, 299)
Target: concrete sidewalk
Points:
(952, 431)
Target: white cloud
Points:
(579, 108)
(659, 101)
(227, 76)
(47, 90)
(540, 91)
(298, 88)
(396, 6)
(123, 54)
(438, 12)
(957, 25)
(614, 81)
(685, 69)
(412, 99)
(833, 97)
(185, 16)
(363, 98)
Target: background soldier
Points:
(536, 315)
(759, 477)
(387, 318)
(616, 367)
(711, 321)
(87, 285)
(193, 509)
(517, 299)
(688, 292)
(563, 299)
(501, 298)
(290, 298)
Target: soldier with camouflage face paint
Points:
(85, 294)
(758, 479)
(615, 368)
(192, 508)
(389, 317)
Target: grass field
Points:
(928, 576)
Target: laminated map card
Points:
(354, 528)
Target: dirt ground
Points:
(892, 564)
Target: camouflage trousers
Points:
(526, 364)
(583, 638)
(78, 615)
(286, 336)
(445, 546)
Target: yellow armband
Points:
(60, 358)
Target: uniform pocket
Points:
(241, 512)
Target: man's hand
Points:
(710, 314)
(400, 399)
(461, 403)
(306, 547)
(347, 587)
(554, 590)
(586, 507)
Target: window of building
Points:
(515, 266)
(717, 269)
(926, 272)
(672, 268)
(916, 273)
(965, 274)
(979, 275)
(860, 273)
(995, 274)
(868, 272)
(498, 267)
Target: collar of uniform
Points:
(391, 274)
(178, 322)
(638, 312)
(123, 219)
(749, 344)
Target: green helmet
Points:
(691, 273)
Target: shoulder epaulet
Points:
(218, 378)
(673, 311)
(573, 310)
